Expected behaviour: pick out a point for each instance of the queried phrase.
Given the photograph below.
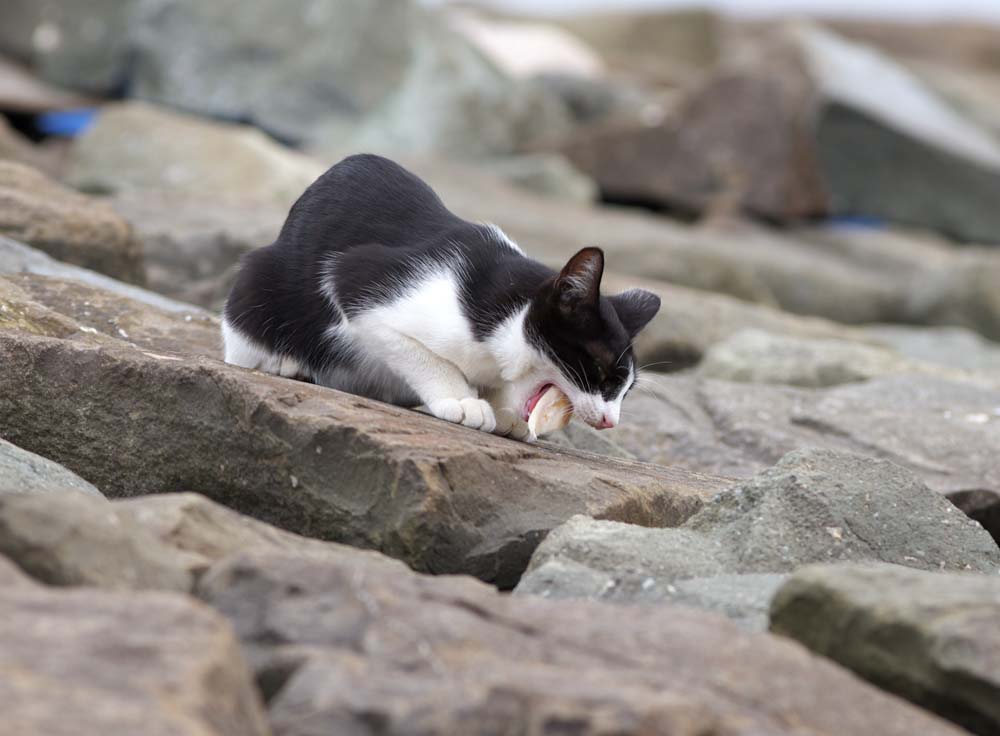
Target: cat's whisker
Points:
(659, 362)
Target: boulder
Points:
(89, 661)
(941, 430)
(343, 646)
(389, 67)
(955, 347)
(930, 637)
(756, 356)
(135, 146)
(68, 226)
(25, 472)
(769, 131)
(813, 506)
(315, 461)
(192, 244)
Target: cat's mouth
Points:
(529, 405)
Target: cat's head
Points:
(585, 339)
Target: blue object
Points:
(66, 123)
(856, 222)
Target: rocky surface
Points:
(950, 346)
(135, 146)
(343, 646)
(943, 431)
(25, 472)
(930, 637)
(66, 225)
(813, 506)
(151, 663)
(314, 461)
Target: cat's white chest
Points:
(430, 313)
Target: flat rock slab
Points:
(347, 647)
(315, 461)
(813, 506)
(95, 662)
(931, 637)
(25, 472)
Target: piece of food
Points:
(552, 411)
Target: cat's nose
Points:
(606, 422)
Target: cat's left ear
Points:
(579, 283)
(635, 307)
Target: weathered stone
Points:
(87, 661)
(192, 244)
(756, 356)
(134, 146)
(17, 258)
(66, 225)
(67, 539)
(25, 472)
(343, 646)
(315, 461)
(954, 347)
(814, 506)
(930, 637)
(548, 174)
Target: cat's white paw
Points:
(472, 413)
(509, 424)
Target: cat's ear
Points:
(579, 283)
(635, 307)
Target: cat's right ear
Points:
(579, 283)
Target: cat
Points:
(375, 288)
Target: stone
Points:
(398, 77)
(136, 146)
(17, 258)
(315, 461)
(943, 431)
(15, 147)
(343, 646)
(813, 506)
(82, 45)
(68, 226)
(954, 347)
(23, 93)
(756, 356)
(928, 637)
(25, 472)
(548, 174)
(192, 244)
(159, 664)
(69, 539)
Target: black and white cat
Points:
(375, 288)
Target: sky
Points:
(915, 10)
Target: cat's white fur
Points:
(422, 339)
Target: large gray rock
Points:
(347, 646)
(66, 225)
(316, 73)
(813, 506)
(929, 637)
(89, 661)
(25, 472)
(316, 461)
(954, 347)
(135, 146)
(943, 431)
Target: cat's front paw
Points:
(472, 413)
(509, 424)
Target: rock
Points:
(23, 93)
(15, 147)
(347, 647)
(134, 146)
(545, 173)
(954, 347)
(963, 295)
(25, 472)
(942, 431)
(82, 45)
(398, 73)
(929, 637)
(315, 461)
(17, 258)
(192, 244)
(67, 539)
(813, 506)
(756, 356)
(151, 663)
(582, 437)
(66, 225)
